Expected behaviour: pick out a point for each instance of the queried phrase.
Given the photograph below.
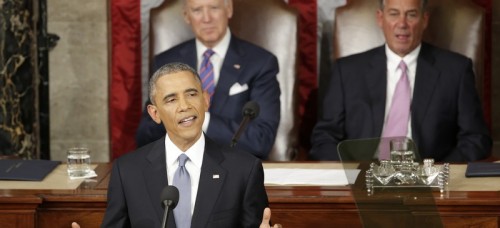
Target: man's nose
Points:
(184, 104)
(206, 16)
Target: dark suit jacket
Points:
(236, 199)
(244, 63)
(446, 116)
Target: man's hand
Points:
(266, 218)
(75, 225)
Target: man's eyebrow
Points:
(191, 90)
(170, 95)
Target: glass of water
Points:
(401, 150)
(78, 162)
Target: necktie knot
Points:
(208, 53)
(182, 160)
(402, 66)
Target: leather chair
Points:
(457, 25)
(271, 24)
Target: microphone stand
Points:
(167, 203)
(236, 136)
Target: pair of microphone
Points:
(170, 194)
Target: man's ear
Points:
(153, 112)
(185, 14)
(426, 19)
(380, 17)
(229, 8)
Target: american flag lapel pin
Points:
(215, 176)
(237, 66)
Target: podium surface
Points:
(469, 202)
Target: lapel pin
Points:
(215, 176)
(237, 66)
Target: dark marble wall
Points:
(18, 79)
(495, 79)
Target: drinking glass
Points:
(401, 150)
(78, 161)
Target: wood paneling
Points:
(301, 206)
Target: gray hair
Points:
(169, 68)
(225, 2)
(423, 4)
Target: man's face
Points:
(403, 23)
(180, 103)
(208, 19)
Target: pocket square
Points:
(237, 88)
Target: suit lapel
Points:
(426, 78)
(376, 83)
(212, 179)
(155, 175)
(188, 54)
(229, 74)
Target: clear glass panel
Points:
(389, 204)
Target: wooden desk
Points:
(295, 207)
(57, 208)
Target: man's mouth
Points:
(187, 121)
(403, 36)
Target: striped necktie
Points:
(207, 73)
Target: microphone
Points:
(169, 199)
(250, 111)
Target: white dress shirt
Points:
(193, 165)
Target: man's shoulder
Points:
(252, 50)
(361, 57)
(138, 155)
(442, 54)
(177, 49)
(231, 155)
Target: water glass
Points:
(401, 150)
(78, 162)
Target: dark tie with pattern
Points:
(207, 73)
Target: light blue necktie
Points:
(207, 73)
(182, 181)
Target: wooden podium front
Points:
(471, 202)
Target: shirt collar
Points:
(219, 49)
(393, 59)
(195, 152)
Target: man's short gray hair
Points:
(225, 2)
(423, 4)
(169, 68)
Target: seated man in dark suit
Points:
(404, 88)
(223, 187)
(234, 72)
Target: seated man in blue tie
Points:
(404, 88)
(219, 186)
(233, 71)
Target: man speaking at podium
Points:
(218, 186)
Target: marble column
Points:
(18, 79)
